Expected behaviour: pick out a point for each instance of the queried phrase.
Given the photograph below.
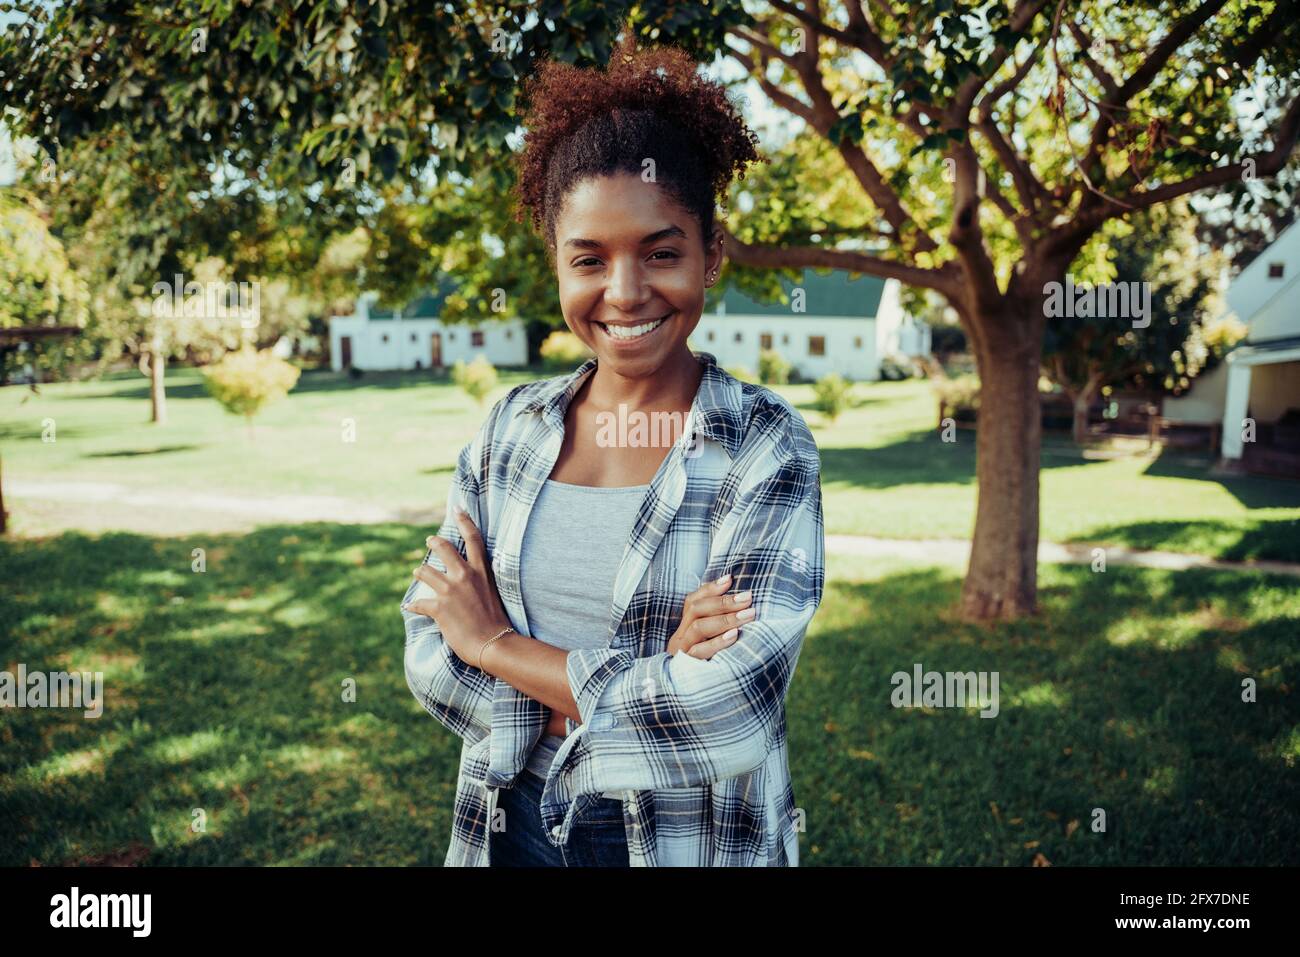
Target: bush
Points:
(946, 340)
(959, 394)
(742, 373)
(895, 368)
(773, 368)
(832, 392)
(245, 381)
(478, 378)
(562, 351)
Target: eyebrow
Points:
(651, 238)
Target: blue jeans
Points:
(596, 839)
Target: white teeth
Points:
(632, 332)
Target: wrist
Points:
(491, 651)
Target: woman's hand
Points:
(465, 603)
(711, 620)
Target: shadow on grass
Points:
(226, 705)
(1123, 695)
(1253, 491)
(920, 458)
(133, 453)
(1241, 541)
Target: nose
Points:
(627, 288)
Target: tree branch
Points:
(945, 279)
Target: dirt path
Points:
(47, 508)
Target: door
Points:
(345, 343)
(436, 361)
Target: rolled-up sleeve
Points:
(457, 694)
(675, 721)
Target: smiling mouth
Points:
(633, 333)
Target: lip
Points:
(639, 340)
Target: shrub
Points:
(773, 368)
(562, 351)
(832, 392)
(245, 381)
(894, 368)
(946, 340)
(478, 378)
(958, 396)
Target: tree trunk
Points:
(1002, 579)
(1082, 402)
(157, 394)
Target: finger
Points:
(445, 550)
(475, 553)
(420, 606)
(715, 587)
(429, 575)
(707, 649)
(711, 625)
(721, 604)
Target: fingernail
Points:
(732, 635)
(743, 596)
(724, 579)
(746, 614)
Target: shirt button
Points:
(555, 831)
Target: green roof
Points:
(427, 305)
(827, 293)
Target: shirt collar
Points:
(717, 404)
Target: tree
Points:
(988, 142)
(246, 381)
(38, 288)
(1159, 252)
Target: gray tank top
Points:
(572, 546)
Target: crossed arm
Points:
(701, 720)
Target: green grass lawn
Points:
(885, 471)
(224, 693)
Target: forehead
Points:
(618, 207)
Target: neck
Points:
(672, 386)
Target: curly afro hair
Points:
(649, 103)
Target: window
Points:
(413, 337)
(1275, 270)
(384, 338)
(476, 338)
(765, 340)
(785, 339)
(710, 335)
(740, 337)
(857, 342)
(816, 345)
(451, 337)
(510, 333)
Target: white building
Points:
(835, 322)
(1255, 394)
(414, 337)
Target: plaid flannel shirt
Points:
(698, 748)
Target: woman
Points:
(613, 620)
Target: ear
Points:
(713, 256)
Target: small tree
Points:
(773, 368)
(246, 381)
(478, 379)
(832, 393)
(562, 351)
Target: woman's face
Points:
(627, 257)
